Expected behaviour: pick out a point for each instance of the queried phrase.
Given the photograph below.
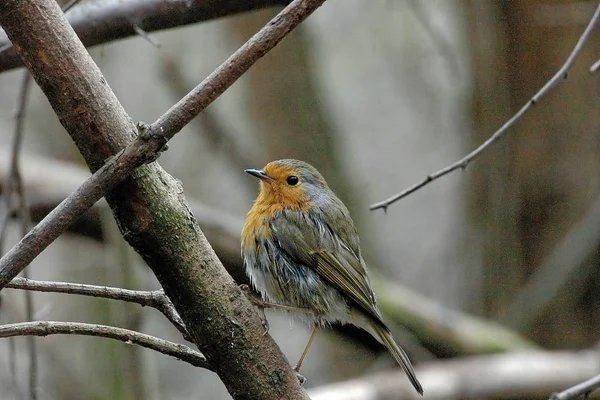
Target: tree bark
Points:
(149, 206)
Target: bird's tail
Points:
(388, 340)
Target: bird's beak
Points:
(260, 174)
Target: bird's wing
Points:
(311, 242)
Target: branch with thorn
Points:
(560, 75)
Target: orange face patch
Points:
(278, 193)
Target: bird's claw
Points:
(264, 320)
(259, 304)
(301, 378)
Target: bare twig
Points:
(45, 328)
(25, 217)
(105, 21)
(155, 299)
(140, 32)
(78, 202)
(13, 176)
(14, 184)
(560, 75)
(581, 389)
(49, 181)
(70, 5)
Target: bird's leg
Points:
(261, 305)
(310, 340)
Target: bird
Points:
(301, 252)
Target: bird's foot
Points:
(301, 379)
(259, 304)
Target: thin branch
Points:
(581, 389)
(70, 5)
(45, 328)
(78, 202)
(145, 35)
(155, 299)
(13, 175)
(560, 75)
(14, 184)
(106, 21)
(49, 181)
(25, 217)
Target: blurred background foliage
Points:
(376, 95)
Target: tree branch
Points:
(581, 389)
(149, 207)
(513, 375)
(443, 329)
(49, 181)
(45, 328)
(106, 21)
(155, 299)
(560, 75)
(14, 183)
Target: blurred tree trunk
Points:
(534, 185)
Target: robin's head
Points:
(291, 183)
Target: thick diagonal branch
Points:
(149, 206)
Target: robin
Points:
(301, 252)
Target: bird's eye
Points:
(292, 180)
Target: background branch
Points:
(443, 330)
(513, 375)
(106, 21)
(582, 389)
(560, 75)
(15, 188)
(50, 181)
(45, 328)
